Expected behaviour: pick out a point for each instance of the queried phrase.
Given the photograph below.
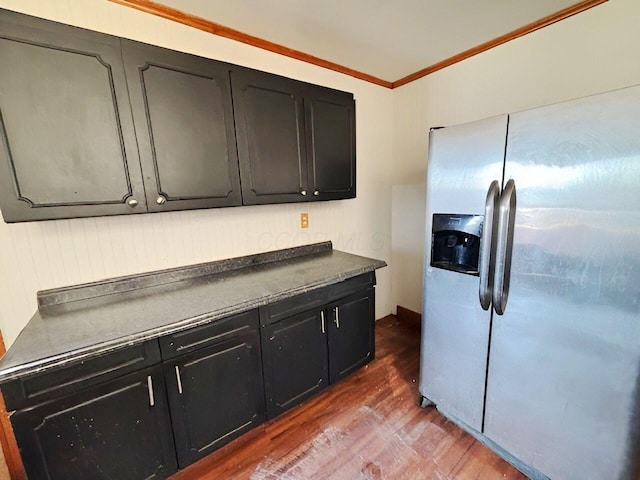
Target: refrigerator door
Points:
(563, 392)
(463, 162)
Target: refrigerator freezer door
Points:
(488, 251)
(563, 392)
(463, 161)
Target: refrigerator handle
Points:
(488, 245)
(504, 245)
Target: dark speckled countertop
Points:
(74, 323)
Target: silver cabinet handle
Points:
(178, 379)
(504, 245)
(132, 202)
(161, 200)
(322, 320)
(303, 193)
(487, 244)
(316, 193)
(337, 319)
(152, 400)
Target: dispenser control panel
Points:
(455, 242)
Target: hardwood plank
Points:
(367, 426)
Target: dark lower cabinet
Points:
(97, 420)
(294, 360)
(304, 353)
(351, 334)
(120, 430)
(216, 394)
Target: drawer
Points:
(352, 285)
(199, 337)
(57, 382)
(275, 312)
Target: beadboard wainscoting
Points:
(50, 254)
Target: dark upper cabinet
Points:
(67, 143)
(120, 430)
(294, 360)
(184, 123)
(269, 115)
(351, 334)
(330, 133)
(92, 125)
(216, 394)
(296, 141)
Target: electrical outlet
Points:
(304, 220)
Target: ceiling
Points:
(388, 40)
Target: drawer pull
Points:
(337, 319)
(152, 400)
(178, 379)
(322, 318)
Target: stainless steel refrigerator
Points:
(531, 314)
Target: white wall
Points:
(592, 52)
(35, 256)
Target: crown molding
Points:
(199, 23)
(483, 47)
(230, 33)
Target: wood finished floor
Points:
(366, 427)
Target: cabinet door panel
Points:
(111, 431)
(330, 128)
(216, 394)
(294, 360)
(269, 123)
(351, 334)
(67, 145)
(184, 122)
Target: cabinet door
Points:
(67, 144)
(351, 334)
(294, 360)
(270, 127)
(184, 122)
(216, 394)
(331, 143)
(120, 429)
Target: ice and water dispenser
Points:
(455, 242)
